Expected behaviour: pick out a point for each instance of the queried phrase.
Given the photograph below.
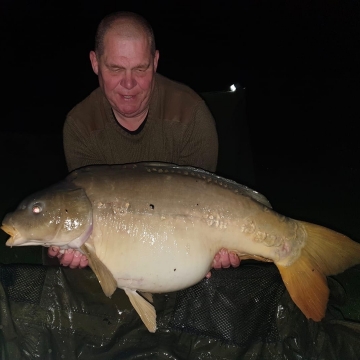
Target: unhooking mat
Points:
(243, 313)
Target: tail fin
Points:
(326, 252)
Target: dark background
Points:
(298, 60)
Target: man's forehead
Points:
(114, 36)
(118, 52)
(126, 29)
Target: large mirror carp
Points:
(156, 227)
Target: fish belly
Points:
(163, 254)
(155, 256)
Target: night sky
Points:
(298, 61)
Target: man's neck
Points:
(131, 124)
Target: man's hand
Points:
(224, 259)
(72, 258)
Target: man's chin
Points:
(129, 111)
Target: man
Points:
(136, 114)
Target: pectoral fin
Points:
(145, 310)
(148, 296)
(105, 277)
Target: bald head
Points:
(125, 24)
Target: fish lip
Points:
(10, 230)
(15, 241)
(15, 237)
(21, 241)
(10, 242)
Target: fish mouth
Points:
(15, 237)
(10, 230)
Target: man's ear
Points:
(94, 62)
(156, 59)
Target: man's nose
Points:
(128, 81)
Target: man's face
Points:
(126, 73)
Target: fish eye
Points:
(36, 209)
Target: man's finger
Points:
(75, 262)
(234, 259)
(224, 258)
(67, 258)
(53, 251)
(84, 262)
(217, 261)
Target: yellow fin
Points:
(329, 250)
(105, 277)
(326, 252)
(307, 288)
(253, 257)
(145, 310)
(148, 296)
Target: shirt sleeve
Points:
(200, 141)
(79, 146)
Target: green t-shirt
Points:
(179, 129)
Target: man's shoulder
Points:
(92, 101)
(176, 101)
(172, 89)
(89, 112)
